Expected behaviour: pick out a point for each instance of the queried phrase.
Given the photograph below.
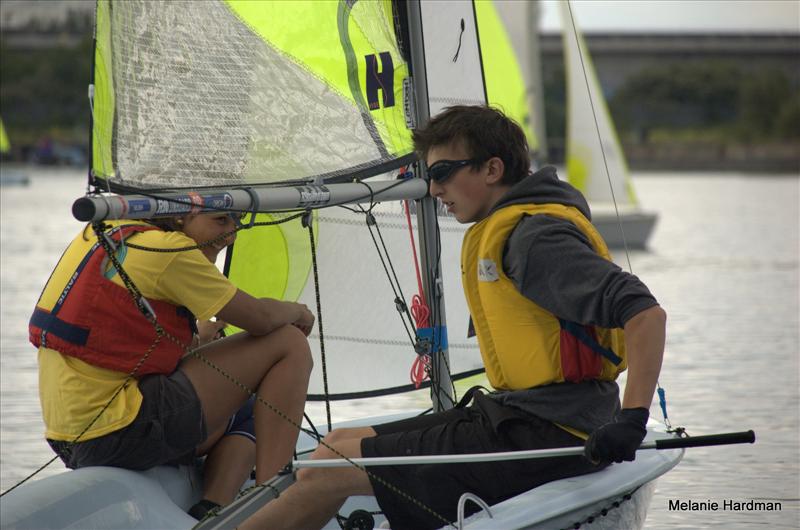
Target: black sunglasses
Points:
(443, 169)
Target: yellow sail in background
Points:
(588, 124)
(5, 145)
(505, 85)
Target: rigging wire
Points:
(660, 390)
(599, 135)
(308, 222)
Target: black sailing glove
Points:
(618, 440)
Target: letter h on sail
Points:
(383, 80)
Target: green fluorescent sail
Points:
(331, 43)
(272, 261)
(505, 86)
(5, 145)
(103, 106)
(221, 93)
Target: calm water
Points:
(723, 262)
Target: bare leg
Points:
(318, 493)
(227, 467)
(277, 366)
(284, 388)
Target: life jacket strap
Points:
(51, 324)
(580, 333)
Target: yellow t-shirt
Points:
(73, 392)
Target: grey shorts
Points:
(167, 430)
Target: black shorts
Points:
(167, 429)
(483, 427)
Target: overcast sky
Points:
(590, 15)
(677, 15)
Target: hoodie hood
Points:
(544, 187)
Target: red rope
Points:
(419, 310)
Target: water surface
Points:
(723, 262)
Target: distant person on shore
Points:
(556, 322)
(115, 393)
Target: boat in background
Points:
(9, 176)
(595, 161)
(616, 214)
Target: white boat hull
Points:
(632, 229)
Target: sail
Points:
(505, 84)
(367, 348)
(453, 67)
(230, 92)
(588, 121)
(5, 145)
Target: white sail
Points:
(597, 169)
(367, 348)
(452, 55)
(594, 157)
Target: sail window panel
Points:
(202, 99)
(452, 55)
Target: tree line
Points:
(44, 94)
(711, 100)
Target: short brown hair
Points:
(484, 131)
(167, 224)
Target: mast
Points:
(441, 384)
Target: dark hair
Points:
(484, 131)
(167, 224)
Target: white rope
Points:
(451, 459)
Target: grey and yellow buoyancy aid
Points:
(522, 344)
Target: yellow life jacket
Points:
(522, 344)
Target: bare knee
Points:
(337, 435)
(308, 474)
(325, 450)
(327, 447)
(322, 452)
(296, 347)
